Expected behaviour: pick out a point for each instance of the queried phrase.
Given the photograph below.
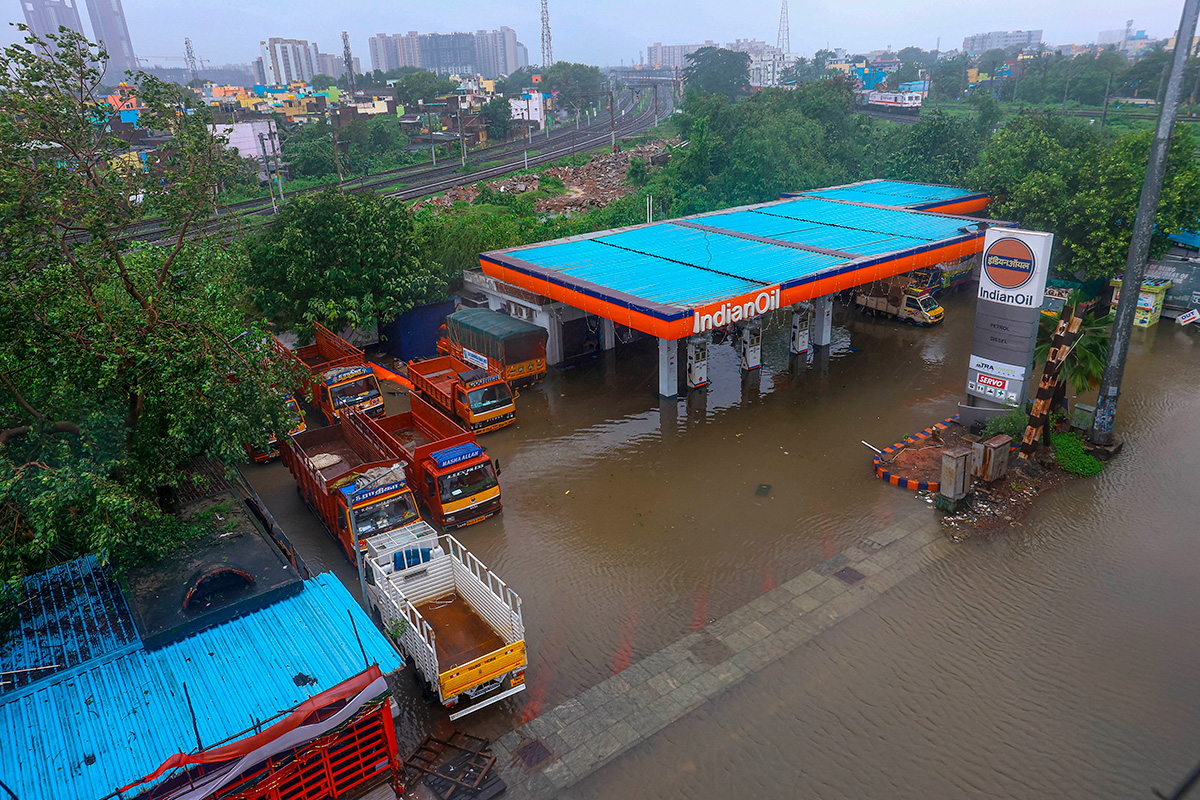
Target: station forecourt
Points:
(678, 279)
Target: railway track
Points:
(431, 181)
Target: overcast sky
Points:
(609, 31)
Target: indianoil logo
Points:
(1008, 263)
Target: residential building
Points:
(385, 52)
(288, 60)
(992, 40)
(531, 106)
(260, 71)
(445, 53)
(46, 16)
(496, 52)
(110, 29)
(672, 56)
(334, 64)
(522, 56)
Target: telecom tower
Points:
(547, 48)
(785, 31)
(349, 62)
(189, 56)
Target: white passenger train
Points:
(905, 102)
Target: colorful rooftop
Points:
(904, 194)
(110, 712)
(659, 278)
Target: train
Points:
(898, 102)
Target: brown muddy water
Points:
(1059, 660)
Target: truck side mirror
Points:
(496, 462)
(429, 483)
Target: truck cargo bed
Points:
(330, 440)
(411, 438)
(462, 636)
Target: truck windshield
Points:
(346, 394)
(385, 515)
(466, 482)
(928, 304)
(489, 397)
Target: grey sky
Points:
(605, 32)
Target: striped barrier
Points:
(908, 483)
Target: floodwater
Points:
(1058, 660)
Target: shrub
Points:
(1013, 423)
(1070, 455)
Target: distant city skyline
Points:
(224, 31)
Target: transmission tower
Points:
(785, 30)
(348, 60)
(189, 55)
(547, 48)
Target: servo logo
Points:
(1008, 263)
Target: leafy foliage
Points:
(718, 71)
(117, 362)
(1084, 366)
(1011, 423)
(1056, 174)
(371, 145)
(341, 259)
(1070, 454)
(940, 148)
(497, 117)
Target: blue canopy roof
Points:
(900, 194)
(83, 732)
(689, 262)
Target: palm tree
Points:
(1084, 365)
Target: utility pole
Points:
(273, 133)
(462, 143)
(262, 143)
(1104, 111)
(1101, 432)
(656, 105)
(337, 159)
(612, 119)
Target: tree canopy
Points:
(497, 118)
(341, 259)
(1059, 174)
(718, 71)
(117, 362)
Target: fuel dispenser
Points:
(751, 344)
(800, 326)
(697, 362)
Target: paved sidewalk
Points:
(568, 742)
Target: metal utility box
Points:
(697, 362)
(956, 473)
(989, 459)
(800, 326)
(751, 345)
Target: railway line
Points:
(420, 180)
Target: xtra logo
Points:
(1008, 263)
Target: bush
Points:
(1011, 423)
(1070, 455)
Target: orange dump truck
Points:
(477, 398)
(339, 377)
(450, 473)
(347, 465)
(511, 348)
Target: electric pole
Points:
(262, 143)
(612, 119)
(1101, 432)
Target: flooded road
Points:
(1054, 661)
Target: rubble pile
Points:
(598, 182)
(458, 193)
(518, 185)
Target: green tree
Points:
(1060, 175)
(341, 259)
(718, 71)
(419, 85)
(573, 83)
(117, 362)
(940, 148)
(321, 81)
(497, 118)
(989, 61)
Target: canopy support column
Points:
(668, 367)
(608, 334)
(822, 321)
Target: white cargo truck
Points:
(454, 618)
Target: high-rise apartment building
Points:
(447, 53)
(671, 56)
(522, 56)
(992, 40)
(385, 52)
(288, 60)
(496, 52)
(334, 64)
(110, 29)
(47, 16)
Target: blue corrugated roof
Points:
(699, 260)
(891, 193)
(1188, 240)
(83, 734)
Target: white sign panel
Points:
(996, 369)
(1015, 265)
(471, 357)
(1188, 317)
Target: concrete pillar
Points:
(668, 367)
(822, 321)
(554, 341)
(608, 334)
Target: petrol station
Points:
(679, 279)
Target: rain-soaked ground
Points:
(1058, 660)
